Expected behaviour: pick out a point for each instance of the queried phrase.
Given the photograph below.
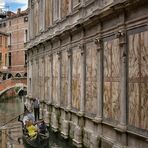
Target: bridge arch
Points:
(21, 86)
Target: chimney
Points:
(18, 11)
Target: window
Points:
(9, 40)
(56, 10)
(4, 24)
(18, 75)
(64, 8)
(6, 59)
(41, 17)
(25, 19)
(5, 42)
(9, 23)
(0, 40)
(0, 58)
(25, 59)
(25, 36)
(9, 59)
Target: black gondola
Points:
(40, 141)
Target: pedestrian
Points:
(36, 107)
(27, 106)
(42, 126)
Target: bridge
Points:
(8, 84)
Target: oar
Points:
(12, 119)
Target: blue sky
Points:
(13, 5)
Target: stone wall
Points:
(92, 77)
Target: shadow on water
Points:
(56, 141)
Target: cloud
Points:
(2, 3)
(14, 4)
(24, 7)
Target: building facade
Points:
(88, 64)
(3, 51)
(16, 26)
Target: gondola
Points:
(39, 141)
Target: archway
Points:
(9, 75)
(18, 75)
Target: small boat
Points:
(41, 140)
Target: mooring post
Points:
(4, 136)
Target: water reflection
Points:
(10, 108)
(13, 107)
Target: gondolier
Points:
(33, 137)
(36, 107)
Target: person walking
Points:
(36, 107)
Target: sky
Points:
(13, 5)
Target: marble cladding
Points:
(91, 78)
(138, 84)
(64, 79)
(76, 71)
(111, 79)
(65, 7)
(55, 78)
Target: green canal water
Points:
(13, 107)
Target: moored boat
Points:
(41, 140)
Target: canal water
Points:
(12, 108)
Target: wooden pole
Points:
(4, 136)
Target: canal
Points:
(12, 108)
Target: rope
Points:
(11, 120)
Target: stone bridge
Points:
(12, 83)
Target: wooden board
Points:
(91, 78)
(76, 70)
(111, 79)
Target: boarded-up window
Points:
(41, 15)
(91, 78)
(64, 79)
(56, 10)
(65, 6)
(112, 84)
(76, 79)
(138, 84)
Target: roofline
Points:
(22, 13)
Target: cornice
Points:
(97, 15)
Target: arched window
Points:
(18, 75)
(25, 74)
(10, 75)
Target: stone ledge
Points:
(138, 135)
(76, 143)
(65, 136)
(121, 128)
